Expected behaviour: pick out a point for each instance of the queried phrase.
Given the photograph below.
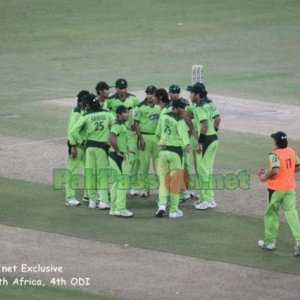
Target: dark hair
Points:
(162, 95)
(282, 144)
(81, 95)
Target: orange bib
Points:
(285, 179)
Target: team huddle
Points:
(116, 140)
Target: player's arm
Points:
(112, 138)
(274, 168)
(297, 167)
(187, 116)
(203, 132)
(183, 133)
(217, 121)
(75, 136)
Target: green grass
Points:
(46, 293)
(210, 235)
(54, 48)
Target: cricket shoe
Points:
(176, 214)
(267, 246)
(92, 204)
(111, 212)
(160, 211)
(205, 205)
(103, 205)
(194, 194)
(133, 192)
(297, 249)
(72, 202)
(144, 193)
(123, 213)
(86, 200)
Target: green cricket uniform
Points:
(173, 134)
(76, 164)
(148, 117)
(130, 102)
(96, 125)
(121, 168)
(282, 193)
(210, 146)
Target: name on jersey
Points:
(98, 118)
(154, 117)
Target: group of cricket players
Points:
(125, 145)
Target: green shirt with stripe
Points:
(200, 115)
(74, 116)
(96, 125)
(147, 117)
(119, 130)
(172, 131)
(212, 113)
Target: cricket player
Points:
(280, 180)
(97, 123)
(76, 153)
(174, 139)
(207, 121)
(174, 94)
(118, 159)
(130, 101)
(146, 117)
(102, 91)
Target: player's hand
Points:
(260, 172)
(187, 148)
(142, 144)
(73, 152)
(199, 148)
(121, 154)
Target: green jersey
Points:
(212, 113)
(119, 130)
(96, 125)
(147, 117)
(131, 101)
(167, 108)
(74, 116)
(172, 131)
(200, 115)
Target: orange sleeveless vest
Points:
(285, 179)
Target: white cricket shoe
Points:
(92, 204)
(124, 213)
(103, 205)
(133, 192)
(160, 211)
(267, 246)
(297, 249)
(205, 205)
(72, 202)
(194, 194)
(111, 212)
(176, 214)
(144, 193)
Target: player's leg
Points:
(291, 214)
(82, 166)
(271, 220)
(177, 182)
(103, 174)
(90, 175)
(162, 170)
(208, 160)
(133, 157)
(144, 159)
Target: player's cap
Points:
(279, 136)
(81, 94)
(280, 139)
(174, 88)
(102, 85)
(179, 103)
(121, 109)
(150, 89)
(121, 83)
(197, 88)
